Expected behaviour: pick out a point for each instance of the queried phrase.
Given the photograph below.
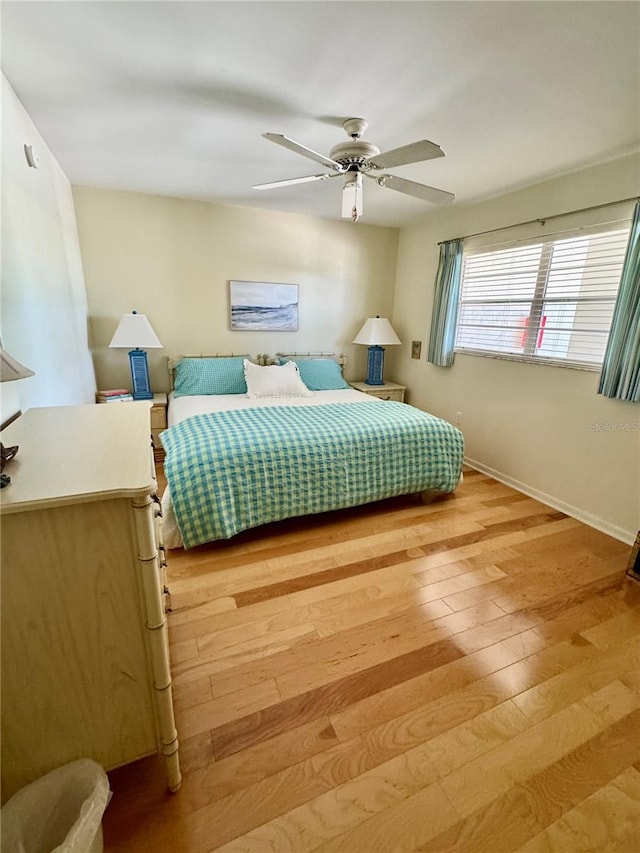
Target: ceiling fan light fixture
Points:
(352, 206)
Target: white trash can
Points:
(58, 813)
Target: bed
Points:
(248, 444)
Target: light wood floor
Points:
(462, 676)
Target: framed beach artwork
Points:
(260, 306)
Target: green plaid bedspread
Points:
(229, 471)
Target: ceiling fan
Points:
(356, 158)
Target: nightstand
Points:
(158, 424)
(388, 391)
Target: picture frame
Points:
(263, 306)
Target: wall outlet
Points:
(458, 418)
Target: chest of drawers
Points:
(85, 662)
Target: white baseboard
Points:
(626, 536)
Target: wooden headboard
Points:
(340, 359)
(174, 360)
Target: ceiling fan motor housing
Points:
(354, 155)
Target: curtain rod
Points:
(542, 219)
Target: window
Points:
(550, 301)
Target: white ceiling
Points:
(173, 97)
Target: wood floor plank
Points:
(300, 669)
(614, 630)
(504, 501)
(216, 780)
(199, 621)
(544, 587)
(259, 803)
(291, 574)
(509, 540)
(325, 595)
(213, 713)
(557, 582)
(607, 818)
(329, 698)
(632, 681)
(412, 823)
(466, 581)
(453, 567)
(298, 535)
(379, 607)
(508, 822)
(540, 701)
(343, 807)
(566, 616)
(393, 638)
(405, 824)
(185, 616)
(452, 701)
(197, 691)
(249, 656)
(279, 576)
(223, 643)
(480, 734)
(496, 662)
(195, 752)
(223, 684)
(536, 748)
(185, 651)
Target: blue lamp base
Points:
(375, 366)
(140, 375)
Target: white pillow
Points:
(274, 380)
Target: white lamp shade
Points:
(11, 369)
(135, 332)
(377, 332)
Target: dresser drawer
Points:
(388, 391)
(396, 395)
(158, 418)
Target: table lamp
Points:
(134, 330)
(377, 333)
(10, 369)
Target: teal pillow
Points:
(320, 374)
(210, 376)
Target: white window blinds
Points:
(551, 300)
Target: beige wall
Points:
(44, 306)
(171, 259)
(532, 425)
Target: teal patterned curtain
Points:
(620, 377)
(445, 304)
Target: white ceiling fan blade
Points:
(291, 181)
(402, 185)
(413, 153)
(279, 139)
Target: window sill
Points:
(547, 362)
